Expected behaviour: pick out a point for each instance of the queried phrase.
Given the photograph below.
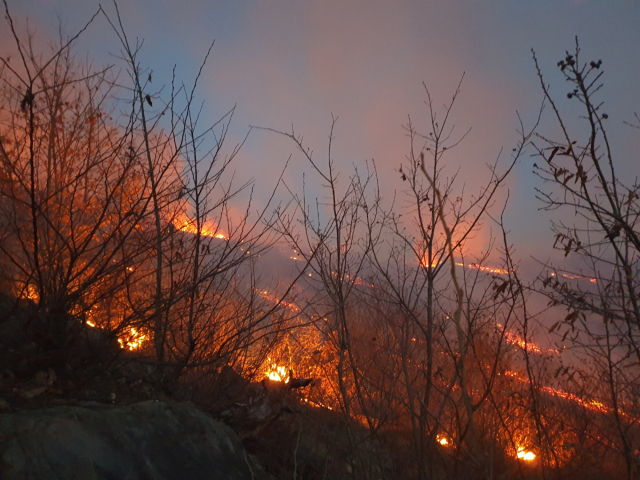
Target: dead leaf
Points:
(553, 154)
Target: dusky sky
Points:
(284, 63)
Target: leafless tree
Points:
(72, 192)
(600, 293)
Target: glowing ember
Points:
(277, 373)
(527, 456)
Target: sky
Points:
(284, 64)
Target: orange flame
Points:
(524, 455)
(273, 299)
(133, 339)
(31, 293)
(515, 339)
(208, 229)
(475, 266)
(277, 373)
(575, 277)
(316, 404)
(471, 266)
(589, 404)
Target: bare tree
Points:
(444, 313)
(334, 246)
(206, 310)
(73, 194)
(601, 295)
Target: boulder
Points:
(147, 440)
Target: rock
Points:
(149, 440)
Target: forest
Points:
(386, 347)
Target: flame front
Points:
(594, 405)
(529, 346)
(472, 266)
(189, 225)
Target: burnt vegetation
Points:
(130, 269)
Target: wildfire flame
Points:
(132, 340)
(524, 455)
(189, 225)
(277, 373)
(442, 440)
(274, 299)
(515, 339)
(475, 266)
(574, 277)
(316, 404)
(589, 404)
(32, 293)
(471, 266)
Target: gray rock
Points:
(149, 440)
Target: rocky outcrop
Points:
(148, 440)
